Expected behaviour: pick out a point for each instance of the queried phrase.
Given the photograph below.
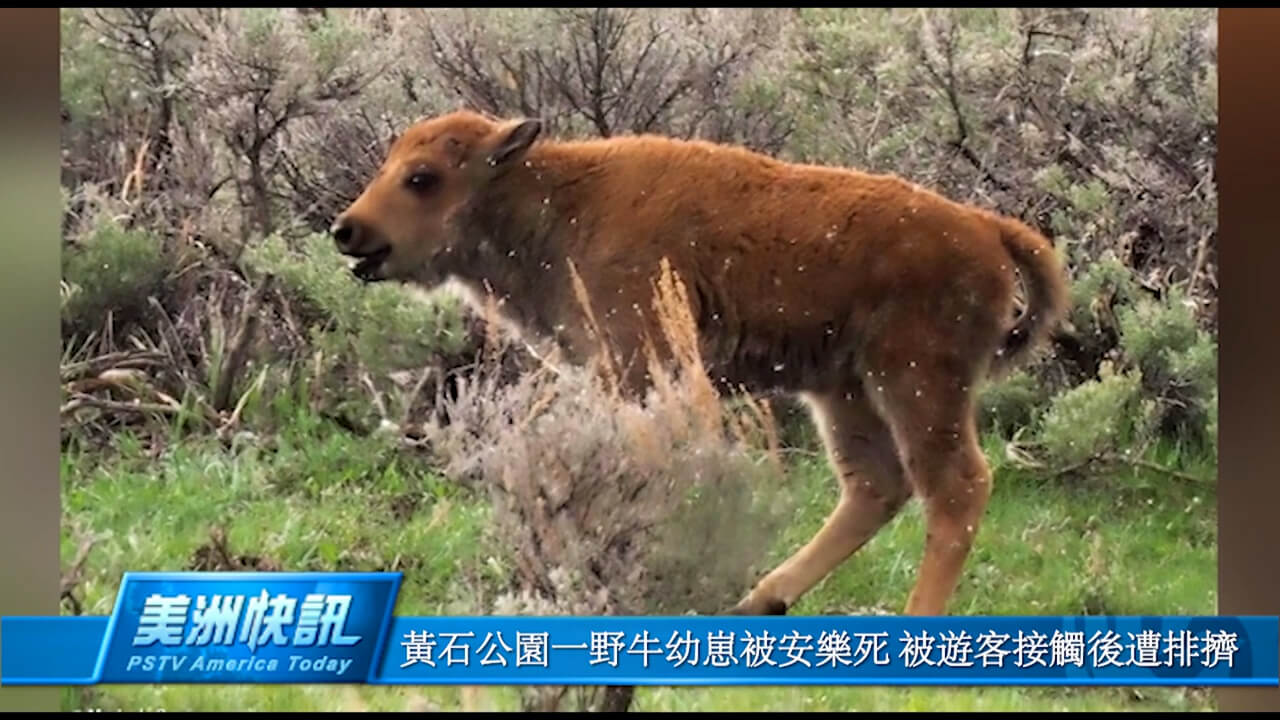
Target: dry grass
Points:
(611, 506)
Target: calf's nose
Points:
(346, 234)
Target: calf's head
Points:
(405, 220)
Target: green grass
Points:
(317, 498)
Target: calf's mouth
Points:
(369, 267)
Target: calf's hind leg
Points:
(861, 450)
(936, 433)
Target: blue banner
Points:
(304, 628)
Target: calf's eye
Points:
(421, 181)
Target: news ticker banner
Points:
(256, 628)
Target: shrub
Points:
(1143, 370)
(110, 272)
(1178, 362)
(1095, 419)
(604, 506)
(383, 325)
(360, 336)
(1012, 403)
(1096, 290)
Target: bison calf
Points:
(880, 303)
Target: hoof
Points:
(776, 607)
(771, 607)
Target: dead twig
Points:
(367, 380)
(80, 400)
(1202, 252)
(123, 360)
(225, 429)
(173, 346)
(240, 346)
(407, 418)
(1019, 456)
(74, 575)
(1156, 467)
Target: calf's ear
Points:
(513, 140)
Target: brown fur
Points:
(880, 302)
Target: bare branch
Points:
(239, 346)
